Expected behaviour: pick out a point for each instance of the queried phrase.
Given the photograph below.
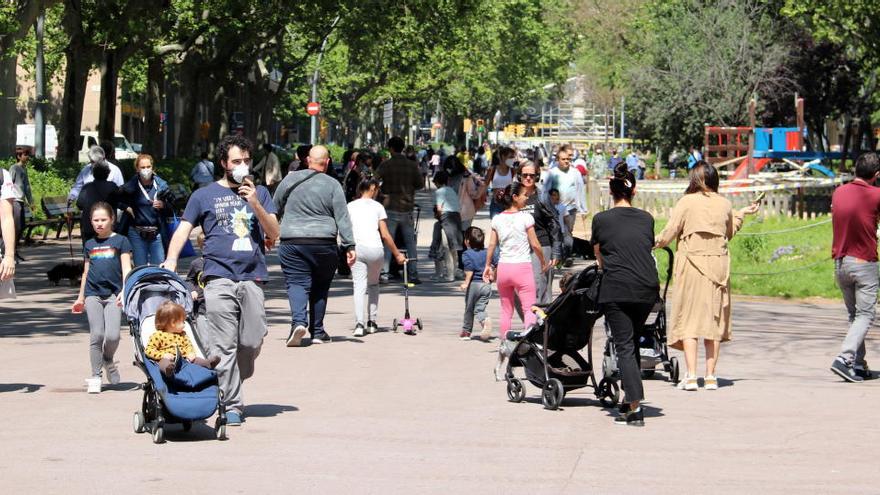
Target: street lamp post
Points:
(314, 118)
(39, 116)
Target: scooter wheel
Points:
(394, 325)
(419, 323)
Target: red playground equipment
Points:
(755, 147)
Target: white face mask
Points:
(239, 172)
(146, 173)
(509, 162)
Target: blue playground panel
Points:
(798, 155)
(772, 138)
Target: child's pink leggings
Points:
(515, 278)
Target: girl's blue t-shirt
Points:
(105, 265)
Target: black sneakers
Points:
(631, 418)
(846, 372)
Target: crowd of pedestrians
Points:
(366, 219)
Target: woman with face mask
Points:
(144, 213)
(499, 177)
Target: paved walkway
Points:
(388, 413)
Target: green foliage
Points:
(336, 152)
(46, 183)
(808, 272)
(700, 62)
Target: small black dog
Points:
(72, 271)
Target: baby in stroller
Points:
(170, 340)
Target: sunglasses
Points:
(528, 176)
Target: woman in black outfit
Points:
(623, 238)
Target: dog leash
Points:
(69, 218)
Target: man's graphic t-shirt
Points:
(105, 265)
(233, 236)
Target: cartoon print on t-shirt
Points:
(241, 226)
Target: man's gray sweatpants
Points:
(236, 319)
(858, 281)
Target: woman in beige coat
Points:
(702, 222)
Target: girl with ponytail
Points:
(513, 232)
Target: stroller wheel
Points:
(552, 394)
(221, 432)
(138, 422)
(159, 434)
(516, 391)
(646, 374)
(607, 367)
(609, 392)
(187, 425)
(674, 371)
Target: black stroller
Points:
(652, 342)
(548, 351)
(189, 396)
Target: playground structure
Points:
(752, 148)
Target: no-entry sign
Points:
(313, 108)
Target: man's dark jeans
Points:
(308, 271)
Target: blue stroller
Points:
(182, 399)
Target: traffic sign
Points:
(313, 108)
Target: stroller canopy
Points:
(147, 287)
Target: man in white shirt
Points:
(7, 225)
(96, 154)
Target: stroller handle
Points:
(668, 269)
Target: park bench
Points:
(58, 216)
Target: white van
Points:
(25, 135)
(87, 139)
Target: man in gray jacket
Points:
(314, 213)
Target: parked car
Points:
(87, 139)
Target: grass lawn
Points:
(802, 266)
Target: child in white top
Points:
(370, 231)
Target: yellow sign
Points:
(467, 126)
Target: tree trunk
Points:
(110, 65)
(7, 103)
(847, 130)
(219, 116)
(189, 84)
(153, 115)
(75, 79)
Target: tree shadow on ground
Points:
(27, 388)
(267, 410)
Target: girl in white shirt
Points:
(370, 231)
(513, 232)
